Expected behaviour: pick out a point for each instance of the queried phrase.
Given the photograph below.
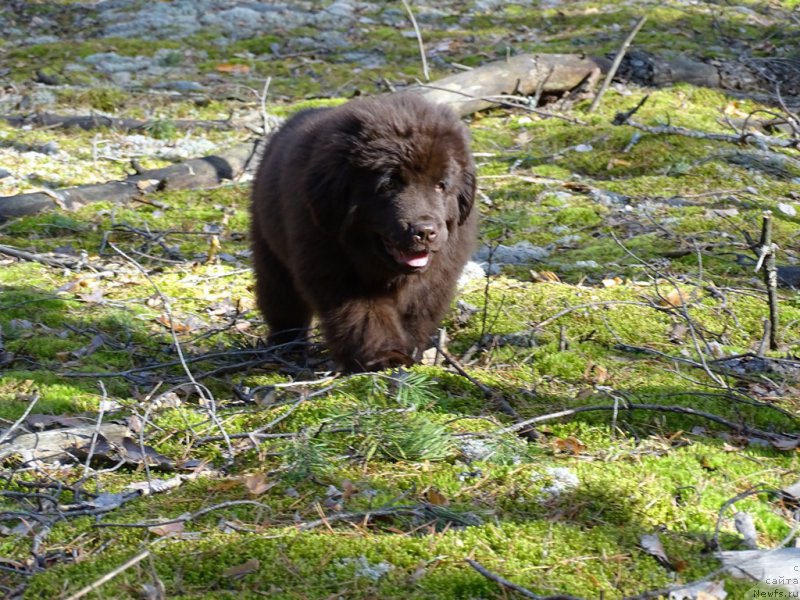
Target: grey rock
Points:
(607, 198)
(568, 240)
(42, 39)
(470, 272)
(179, 86)
(50, 148)
(520, 253)
(111, 62)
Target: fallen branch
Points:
(766, 257)
(510, 585)
(51, 259)
(746, 137)
(615, 65)
(418, 35)
(187, 517)
(630, 407)
(195, 173)
(89, 122)
(110, 575)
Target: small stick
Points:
(110, 575)
(510, 585)
(4, 436)
(425, 73)
(766, 256)
(615, 65)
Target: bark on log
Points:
(470, 91)
(195, 173)
(57, 443)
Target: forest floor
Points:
(617, 418)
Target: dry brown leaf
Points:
(163, 319)
(233, 68)
(617, 162)
(249, 566)
(597, 374)
(436, 497)
(545, 276)
(570, 445)
(257, 483)
(732, 109)
(348, 490)
(167, 528)
(675, 298)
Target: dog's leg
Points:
(366, 335)
(285, 311)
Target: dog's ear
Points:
(329, 176)
(466, 193)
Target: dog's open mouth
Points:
(413, 260)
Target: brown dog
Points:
(363, 215)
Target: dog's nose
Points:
(423, 233)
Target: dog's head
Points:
(393, 179)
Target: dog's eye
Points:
(441, 186)
(390, 182)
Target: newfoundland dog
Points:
(363, 215)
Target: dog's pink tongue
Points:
(416, 259)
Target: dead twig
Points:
(21, 420)
(110, 575)
(615, 65)
(766, 257)
(189, 517)
(490, 394)
(510, 585)
(747, 137)
(631, 406)
(205, 394)
(51, 259)
(506, 101)
(681, 310)
(422, 56)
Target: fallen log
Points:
(191, 174)
(532, 74)
(88, 122)
(470, 91)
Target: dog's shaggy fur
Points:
(363, 215)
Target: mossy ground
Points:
(408, 440)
